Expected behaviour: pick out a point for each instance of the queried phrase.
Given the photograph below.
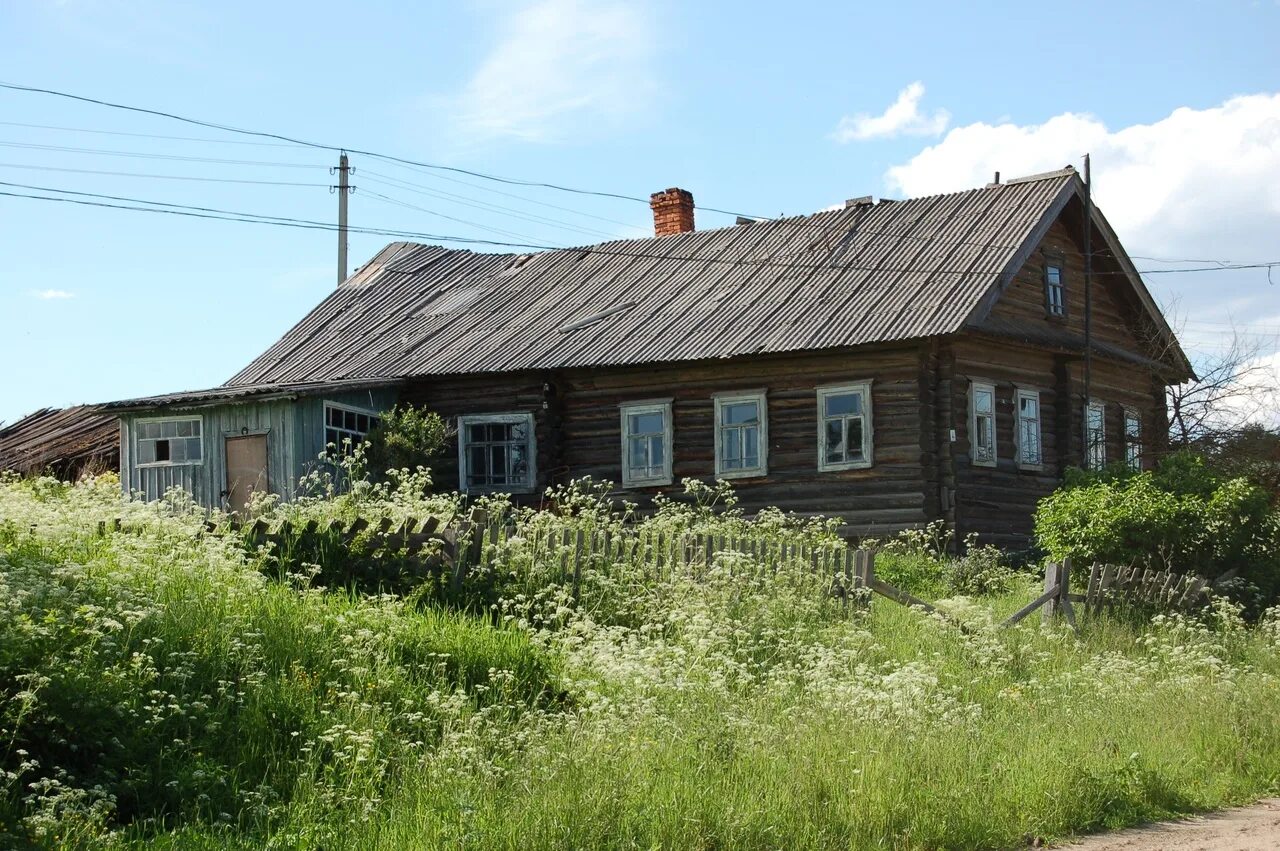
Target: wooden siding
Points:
(579, 431)
(206, 481)
(997, 503)
(295, 439)
(1114, 320)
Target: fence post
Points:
(577, 564)
(1050, 583)
(869, 575)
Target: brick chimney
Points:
(672, 211)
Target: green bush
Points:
(407, 438)
(1182, 517)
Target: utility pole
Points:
(343, 189)
(1088, 282)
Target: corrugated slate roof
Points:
(243, 392)
(867, 273)
(60, 439)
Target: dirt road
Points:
(1255, 828)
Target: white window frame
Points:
(1132, 447)
(1019, 394)
(196, 418)
(859, 388)
(976, 386)
(646, 406)
(1089, 408)
(509, 418)
(345, 431)
(732, 398)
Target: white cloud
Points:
(1199, 183)
(50, 295)
(559, 65)
(903, 117)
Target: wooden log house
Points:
(893, 363)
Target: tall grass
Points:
(743, 708)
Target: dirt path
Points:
(1255, 828)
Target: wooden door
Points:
(246, 469)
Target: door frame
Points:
(225, 491)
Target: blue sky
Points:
(764, 109)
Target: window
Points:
(742, 435)
(1055, 290)
(1095, 436)
(1030, 453)
(646, 443)
(345, 427)
(844, 427)
(174, 440)
(496, 452)
(1132, 440)
(982, 423)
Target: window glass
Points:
(843, 427)
(740, 449)
(495, 452)
(173, 441)
(1132, 440)
(983, 424)
(1029, 427)
(1095, 436)
(645, 438)
(344, 428)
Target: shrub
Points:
(1181, 517)
(407, 438)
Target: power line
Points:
(385, 180)
(162, 176)
(152, 156)
(150, 135)
(256, 218)
(370, 193)
(511, 181)
(524, 198)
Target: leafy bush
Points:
(920, 561)
(406, 438)
(1181, 517)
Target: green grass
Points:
(176, 698)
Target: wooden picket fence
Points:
(463, 545)
(1110, 585)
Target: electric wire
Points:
(211, 212)
(163, 176)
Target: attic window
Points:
(1055, 290)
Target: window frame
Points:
(1132, 449)
(197, 418)
(646, 406)
(976, 385)
(1101, 407)
(1054, 262)
(862, 388)
(505, 418)
(1020, 393)
(731, 398)
(324, 415)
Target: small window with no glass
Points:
(344, 426)
(169, 441)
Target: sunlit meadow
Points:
(166, 687)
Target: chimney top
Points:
(672, 211)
